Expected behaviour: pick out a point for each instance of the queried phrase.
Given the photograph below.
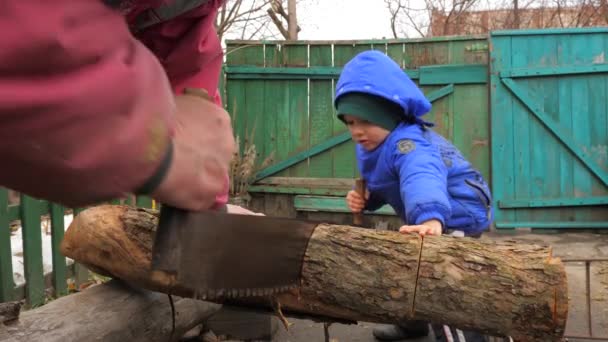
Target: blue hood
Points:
(375, 73)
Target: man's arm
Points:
(86, 111)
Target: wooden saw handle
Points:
(359, 189)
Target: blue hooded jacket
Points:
(420, 174)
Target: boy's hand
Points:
(431, 227)
(355, 202)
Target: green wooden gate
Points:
(549, 103)
(280, 96)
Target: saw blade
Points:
(232, 256)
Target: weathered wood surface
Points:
(109, 312)
(510, 289)
(9, 311)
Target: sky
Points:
(344, 19)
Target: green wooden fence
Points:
(549, 125)
(280, 96)
(29, 213)
(533, 121)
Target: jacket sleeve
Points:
(191, 54)
(423, 181)
(86, 110)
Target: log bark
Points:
(501, 289)
(110, 312)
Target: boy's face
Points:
(365, 133)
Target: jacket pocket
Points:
(482, 193)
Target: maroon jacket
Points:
(86, 100)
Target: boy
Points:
(421, 175)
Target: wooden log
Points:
(501, 289)
(110, 312)
(9, 311)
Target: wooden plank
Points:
(143, 202)
(542, 176)
(577, 323)
(59, 261)
(396, 52)
(6, 267)
(273, 189)
(32, 250)
(599, 298)
(281, 166)
(555, 71)
(255, 116)
(573, 143)
(233, 43)
(502, 151)
(457, 74)
(565, 114)
(470, 117)
(341, 183)
(520, 132)
(282, 115)
(331, 204)
(235, 92)
(321, 112)
(553, 202)
(553, 224)
(299, 138)
(555, 31)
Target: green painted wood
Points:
(332, 204)
(292, 190)
(330, 143)
(281, 118)
(455, 74)
(553, 225)
(299, 134)
(143, 201)
(291, 73)
(554, 202)
(32, 250)
(254, 128)
(545, 32)
(554, 71)
(321, 112)
(428, 75)
(299, 157)
(58, 260)
(395, 51)
(6, 267)
(14, 211)
(562, 134)
(234, 44)
(471, 125)
(557, 133)
(502, 147)
(439, 93)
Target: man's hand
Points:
(431, 227)
(203, 147)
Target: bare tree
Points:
(243, 19)
(258, 19)
(463, 17)
(285, 21)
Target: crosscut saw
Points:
(223, 255)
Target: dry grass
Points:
(244, 167)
